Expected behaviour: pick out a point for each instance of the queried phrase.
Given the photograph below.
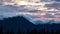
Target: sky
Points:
(34, 12)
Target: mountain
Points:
(15, 23)
(12, 24)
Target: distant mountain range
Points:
(17, 22)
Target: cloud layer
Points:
(43, 12)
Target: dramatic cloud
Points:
(45, 11)
(57, 0)
(53, 5)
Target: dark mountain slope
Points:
(20, 24)
(16, 22)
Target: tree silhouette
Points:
(34, 31)
(27, 31)
(1, 30)
(58, 32)
(7, 32)
(18, 31)
(11, 32)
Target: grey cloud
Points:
(57, 0)
(53, 5)
(10, 11)
(47, 0)
(49, 16)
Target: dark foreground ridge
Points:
(20, 25)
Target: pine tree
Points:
(18, 31)
(1, 30)
(7, 32)
(11, 32)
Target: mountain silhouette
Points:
(21, 25)
(15, 23)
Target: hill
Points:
(19, 24)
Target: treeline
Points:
(34, 31)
